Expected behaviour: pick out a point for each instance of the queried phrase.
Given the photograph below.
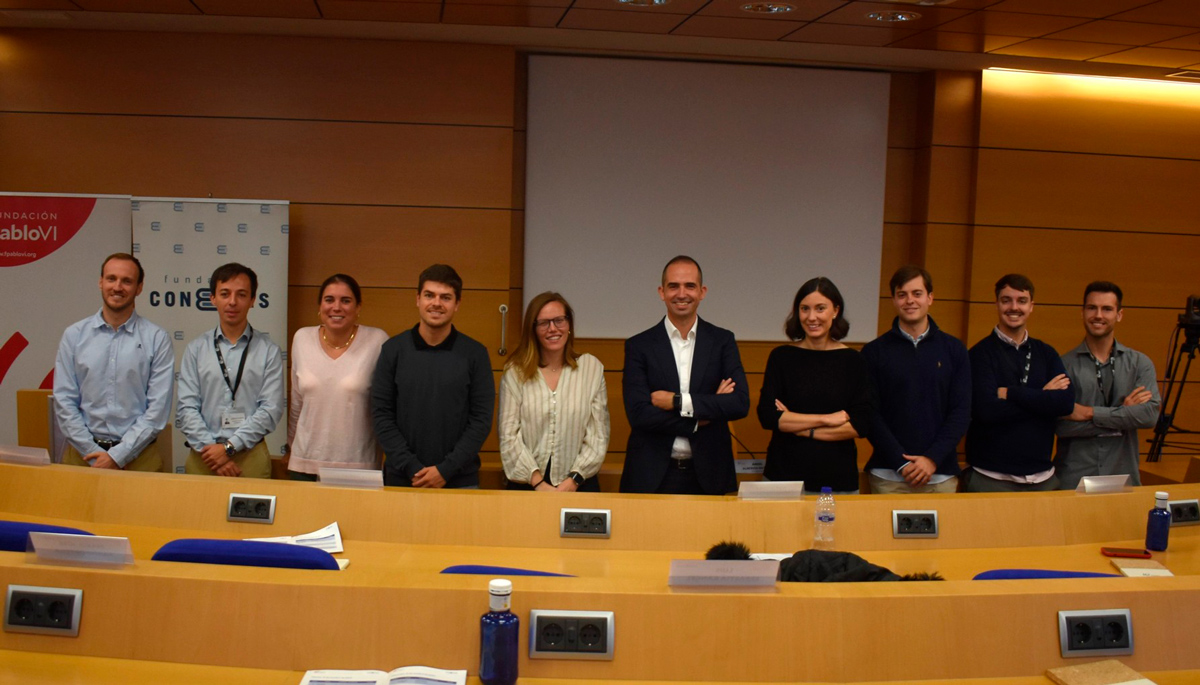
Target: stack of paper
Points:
(328, 538)
(1138, 568)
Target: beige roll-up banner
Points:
(180, 241)
(51, 249)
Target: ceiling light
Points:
(893, 16)
(767, 7)
(643, 3)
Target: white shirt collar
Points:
(673, 332)
(1009, 341)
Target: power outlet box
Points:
(571, 634)
(1100, 632)
(585, 523)
(44, 610)
(1184, 512)
(251, 508)
(914, 523)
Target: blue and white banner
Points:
(51, 249)
(180, 242)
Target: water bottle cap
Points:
(1162, 495)
(826, 490)
(500, 586)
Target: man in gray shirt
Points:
(1116, 393)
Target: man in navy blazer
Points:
(683, 383)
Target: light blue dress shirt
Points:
(113, 384)
(205, 398)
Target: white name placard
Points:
(28, 456)
(351, 478)
(771, 489)
(723, 573)
(64, 548)
(1092, 485)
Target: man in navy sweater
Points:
(922, 377)
(1020, 390)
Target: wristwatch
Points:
(574, 475)
(229, 451)
(677, 402)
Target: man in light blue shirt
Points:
(113, 377)
(230, 385)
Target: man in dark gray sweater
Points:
(432, 393)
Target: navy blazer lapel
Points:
(665, 355)
(704, 347)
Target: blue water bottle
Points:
(1158, 525)
(499, 630)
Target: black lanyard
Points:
(233, 387)
(1028, 361)
(1100, 377)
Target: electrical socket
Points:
(571, 634)
(914, 523)
(585, 523)
(251, 508)
(45, 610)
(1095, 633)
(1184, 512)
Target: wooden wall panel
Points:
(954, 120)
(395, 309)
(209, 75)
(898, 185)
(1151, 269)
(301, 161)
(897, 251)
(947, 258)
(390, 246)
(1081, 114)
(1084, 191)
(904, 110)
(951, 185)
(1145, 330)
(609, 351)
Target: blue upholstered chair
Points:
(14, 535)
(1028, 573)
(246, 553)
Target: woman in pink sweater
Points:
(329, 422)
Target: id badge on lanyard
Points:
(232, 418)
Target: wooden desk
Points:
(1170, 470)
(55, 669)
(530, 520)
(392, 607)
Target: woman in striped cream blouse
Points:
(553, 405)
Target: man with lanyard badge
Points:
(230, 385)
(1116, 393)
(1019, 389)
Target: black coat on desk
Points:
(650, 366)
